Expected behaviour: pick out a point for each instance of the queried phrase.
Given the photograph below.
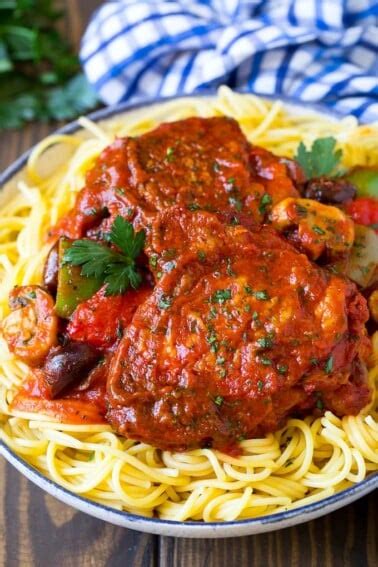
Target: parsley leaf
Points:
(221, 295)
(40, 76)
(328, 367)
(265, 200)
(321, 159)
(118, 270)
(122, 235)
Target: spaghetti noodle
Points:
(304, 462)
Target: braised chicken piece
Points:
(240, 331)
(200, 163)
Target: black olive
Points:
(50, 272)
(68, 364)
(330, 191)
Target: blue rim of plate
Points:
(328, 504)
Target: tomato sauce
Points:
(233, 341)
(198, 163)
(83, 404)
(240, 330)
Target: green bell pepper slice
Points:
(73, 288)
(366, 181)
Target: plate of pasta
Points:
(189, 308)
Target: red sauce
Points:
(231, 345)
(205, 163)
(240, 331)
(81, 404)
(101, 320)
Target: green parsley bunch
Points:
(40, 76)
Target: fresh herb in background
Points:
(40, 76)
(321, 159)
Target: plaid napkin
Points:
(312, 50)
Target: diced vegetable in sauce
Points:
(364, 211)
(366, 181)
(363, 263)
(73, 288)
(31, 328)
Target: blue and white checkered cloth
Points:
(312, 50)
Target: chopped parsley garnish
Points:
(236, 203)
(165, 302)
(265, 342)
(261, 295)
(221, 295)
(119, 330)
(282, 368)
(201, 255)
(319, 404)
(328, 367)
(255, 316)
(220, 360)
(265, 200)
(222, 372)
(318, 230)
(321, 159)
(216, 167)
(154, 261)
(260, 385)
(229, 269)
(117, 269)
(265, 361)
(170, 154)
(218, 400)
(212, 313)
(193, 207)
(212, 340)
(169, 253)
(314, 361)
(302, 211)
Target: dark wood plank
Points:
(37, 530)
(346, 538)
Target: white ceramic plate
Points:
(165, 527)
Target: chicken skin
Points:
(240, 331)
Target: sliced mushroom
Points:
(31, 328)
(315, 227)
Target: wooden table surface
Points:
(37, 530)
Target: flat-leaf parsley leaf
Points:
(118, 270)
(321, 159)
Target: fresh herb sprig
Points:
(40, 77)
(117, 269)
(321, 159)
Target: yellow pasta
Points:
(306, 461)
